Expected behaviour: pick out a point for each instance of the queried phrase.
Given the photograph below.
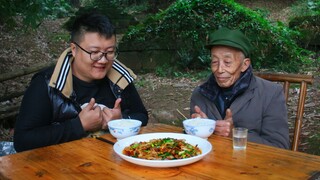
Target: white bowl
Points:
(199, 127)
(122, 128)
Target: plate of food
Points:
(162, 149)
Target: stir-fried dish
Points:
(162, 149)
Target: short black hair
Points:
(91, 22)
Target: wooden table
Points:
(91, 158)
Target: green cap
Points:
(232, 38)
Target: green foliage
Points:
(6, 13)
(138, 6)
(164, 70)
(306, 8)
(60, 37)
(141, 83)
(306, 19)
(185, 24)
(113, 12)
(32, 12)
(132, 8)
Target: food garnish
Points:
(162, 149)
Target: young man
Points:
(235, 97)
(87, 88)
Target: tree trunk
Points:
(23, 72)
(12, 95)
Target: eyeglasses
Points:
(97, 55)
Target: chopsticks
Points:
(184, 118)
(181, 114)
(103, 139)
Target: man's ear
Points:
(73, 49)
(245, 64)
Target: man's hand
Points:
(91, 116)
(198, 113)
(224, 127)
(110, 114)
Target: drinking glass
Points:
(240, 138)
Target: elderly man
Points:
(87, 88)
(235, 97)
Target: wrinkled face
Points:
(227, 63)
(83, 67)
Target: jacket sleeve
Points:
(132, 105)
(198, 100)
(33, 127)
(206, 106)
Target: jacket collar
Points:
(245, 97)
(211, 89)
(61, 78)
(240, 101)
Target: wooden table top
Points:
(91, 158)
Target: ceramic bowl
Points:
(199, 127)
(122, 128)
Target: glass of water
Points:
(240, 138)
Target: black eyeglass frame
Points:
(105, 54)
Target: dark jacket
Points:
(47, 117)
(51, 104)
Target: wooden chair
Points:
(288, 79)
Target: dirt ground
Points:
(167, 99)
